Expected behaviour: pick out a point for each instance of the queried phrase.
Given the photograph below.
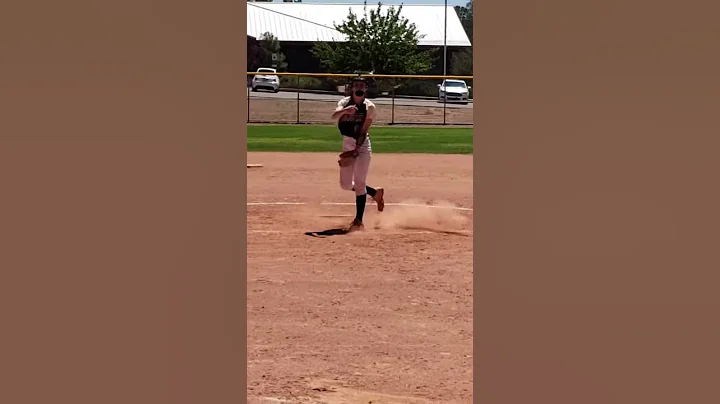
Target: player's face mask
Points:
(359, 89)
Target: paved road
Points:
(335, 98)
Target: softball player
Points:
(355, 114)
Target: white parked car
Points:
(454, 91)
(266, 81)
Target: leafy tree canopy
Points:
(465, 14)
(384, 43)
(462, 61)
(271, 46)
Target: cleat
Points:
(380, 199)
(355, 226)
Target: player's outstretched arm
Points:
(366, 126)
(341, 109)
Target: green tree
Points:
(383, 43)
(461, 63)
(271, 46)
(465, 14)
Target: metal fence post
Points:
(248, 100)
(298, 99)
(445, 105)
(392, 109)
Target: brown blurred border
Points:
(596, 221)
(122, 212)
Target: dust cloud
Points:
(420, 215)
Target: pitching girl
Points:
(355, 114)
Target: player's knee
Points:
(359, 187)
(346, 185)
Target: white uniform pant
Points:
(355, 174)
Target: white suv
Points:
(454, 91)
(266, 81)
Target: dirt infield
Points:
(379, 316)
(314, 111)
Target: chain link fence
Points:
(298, 98)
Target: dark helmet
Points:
(359, 79)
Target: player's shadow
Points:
(327, 233)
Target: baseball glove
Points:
(346, 158)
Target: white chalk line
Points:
(378, 232)
(352, 203)
(274, 203)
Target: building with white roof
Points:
(299, 25)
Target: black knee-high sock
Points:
(370, 191)
(360, 206)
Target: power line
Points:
(292, 16)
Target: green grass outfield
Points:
(385, 139)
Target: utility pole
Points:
(445, 43)
(445, 67)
